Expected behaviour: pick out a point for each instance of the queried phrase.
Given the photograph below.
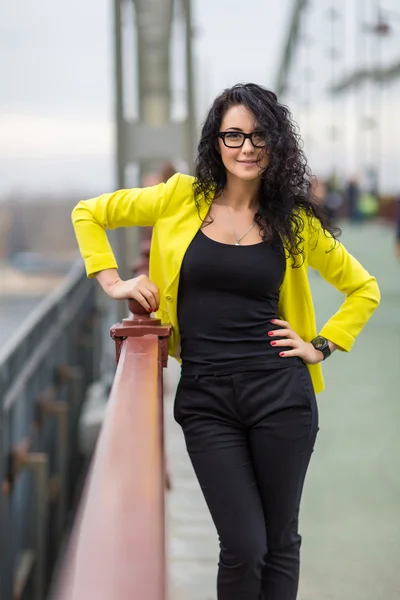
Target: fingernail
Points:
(270, 333)
(281, 354)
(273, 343)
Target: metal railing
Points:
(117, 548)
(44, 371)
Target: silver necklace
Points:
(238, 240)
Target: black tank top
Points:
(227, 297)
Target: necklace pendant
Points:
(237, 244)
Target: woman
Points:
(398, 228)
(228, 270)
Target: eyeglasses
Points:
(236, 139)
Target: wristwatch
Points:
(320, 343)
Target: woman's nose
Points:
(247, 146)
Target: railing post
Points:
(60, 411)
(140, 323)
(38, 464)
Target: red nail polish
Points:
(270, 333)
(281, 354)
(273, 343)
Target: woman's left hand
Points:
(288, 337)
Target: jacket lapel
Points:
(189, 225)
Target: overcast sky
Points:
(56, 84)
(56, 74)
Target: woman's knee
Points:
(285, 545)
(246, 556)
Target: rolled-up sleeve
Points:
(124, 208)
(339, 268)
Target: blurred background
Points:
(104, 94)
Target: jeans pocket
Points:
(183, 394)
(177, 402)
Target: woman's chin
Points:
(247, 174)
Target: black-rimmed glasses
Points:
(236, 139)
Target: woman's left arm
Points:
(339, 268)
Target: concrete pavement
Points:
(350, 519)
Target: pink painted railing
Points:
(117, 548)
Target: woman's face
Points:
(245, 162)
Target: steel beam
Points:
(152, 139)
(290, 46)
(154, 26)
(359, 76)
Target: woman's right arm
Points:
(125, 208)
(140, 288)
(91, 218)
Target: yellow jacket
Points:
(170, 209)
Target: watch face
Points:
(319, 342)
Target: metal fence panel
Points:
(44, 370)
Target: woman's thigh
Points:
(281, 443)
(217, 443)
(229, 486)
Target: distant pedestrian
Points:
(332, 202)
(229, 261)
(398, 228)
(352, 196)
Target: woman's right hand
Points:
(139, 288)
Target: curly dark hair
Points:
(286, 191)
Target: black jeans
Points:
(250, 437)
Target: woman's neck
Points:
(240, 194)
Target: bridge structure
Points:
(133, 522)
(141, 526)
